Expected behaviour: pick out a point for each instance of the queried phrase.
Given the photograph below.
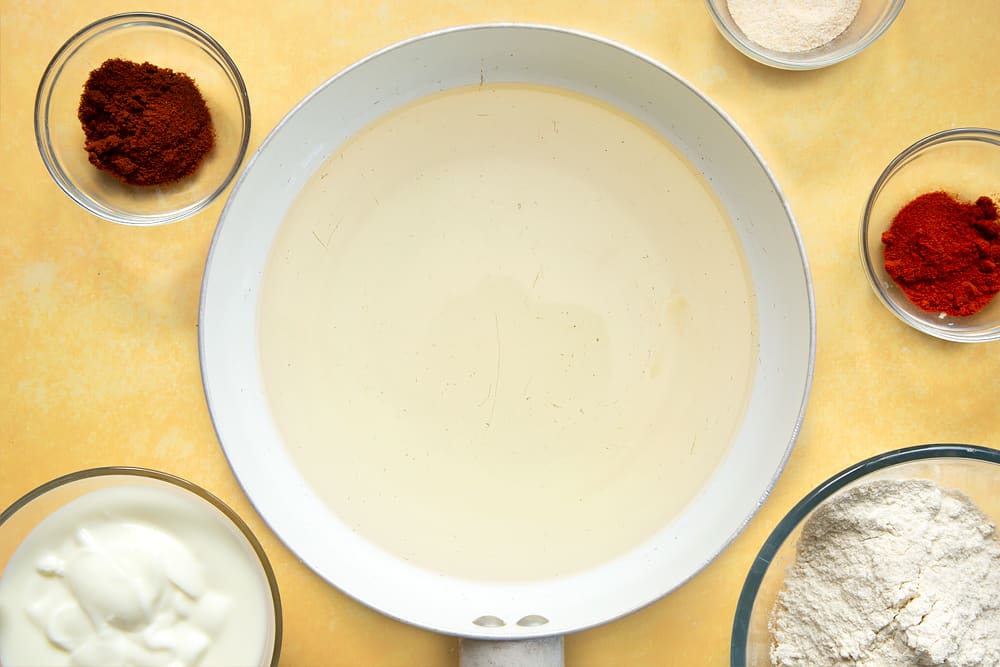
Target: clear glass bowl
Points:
(972, 470)
(25, 515)
(964, 162)
(874, 18)
(164, 41)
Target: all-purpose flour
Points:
(892, 573)
(793, 25)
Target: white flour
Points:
(793, 25)
(890, 574)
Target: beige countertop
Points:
(98, 322)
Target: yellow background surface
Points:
(98, 322)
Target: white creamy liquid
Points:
(135, 576)
(507, 332)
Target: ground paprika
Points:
(144, 124)
(944, 253)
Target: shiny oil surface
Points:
(507, 332)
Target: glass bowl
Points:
(164, 41)
(964, 162)
(972, 470)
(206, 565)
(873, 18)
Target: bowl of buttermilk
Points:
(129, 566)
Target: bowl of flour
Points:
(802, 34)
(893, 561)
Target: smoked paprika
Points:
(944, 253)
(145, 125)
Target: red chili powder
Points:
(145, 125)
(943, 253)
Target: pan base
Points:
(507, 332)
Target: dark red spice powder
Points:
(145, 125)
(944, 253)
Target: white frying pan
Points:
(469, 602)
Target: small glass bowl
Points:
(972, 470)
(25, 515)
(874, 18)
(964, 162)
(164, 41)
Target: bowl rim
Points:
(975, 134)
(775, 59)
(777, 537)
(54, 68)
(191, 487)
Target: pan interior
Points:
(507, 332)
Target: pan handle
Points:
(544, 652)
